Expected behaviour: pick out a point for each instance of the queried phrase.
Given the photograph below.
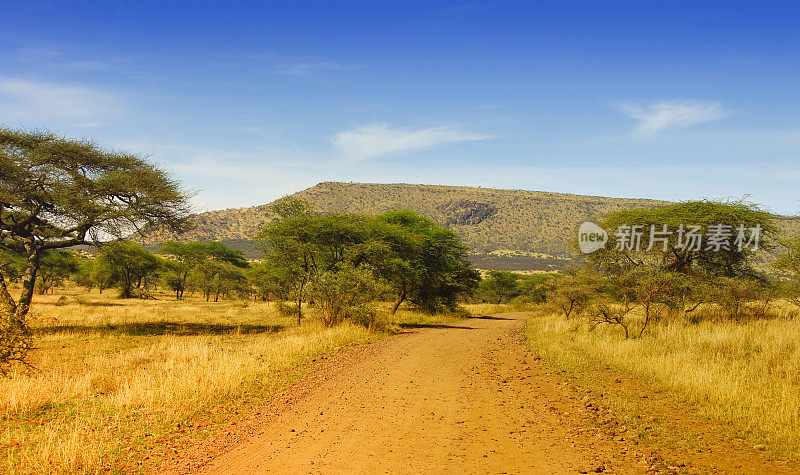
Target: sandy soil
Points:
(467, 398)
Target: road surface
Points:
(468, 397)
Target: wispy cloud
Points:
(298, 67)
(49, 59)
(662, 115)
(272, 62)
(55, 104)
(374, 140)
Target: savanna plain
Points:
(124, 385)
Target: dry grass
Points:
(745, 374)
(118, 383)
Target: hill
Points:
(504, 228)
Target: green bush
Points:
(368, 317)
(338, 293)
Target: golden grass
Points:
(745, 374)
(119, 383)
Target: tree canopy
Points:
(57, 192)
(732, 222)
(127, 265)
(419, 260)
(673, 260)
(214, 267)
(424, 262)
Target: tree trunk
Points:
(6, 299)
(126, 291)
(43, 288)
(646, 318)
(400, 299)
(28, 285)
(571, 306)
(299, 310)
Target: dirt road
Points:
(466, 397)
(461, 398)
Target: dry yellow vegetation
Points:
(746, 375)
(119, 385)
(118, 382)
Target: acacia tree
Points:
(201, 261)
(57, 192)
(422, 261)
(216, 268)
(217, 278)
(668, 269)
(127, 265)
(339, 292)
(499, 285)
(672, 255)
(397, 254)
(574, 291)
(264, 281)
(54, 267)
(654, 291)
(183, 256)
(448, 274)
(299, 245)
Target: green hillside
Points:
(504, 228)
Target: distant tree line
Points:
(505, 287)
(338, 261)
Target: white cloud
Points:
(374, 140)
(54, 104)
(662, 115)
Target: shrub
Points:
(573, 293)
(368, 317)
(15, 342)
(338, 292)
(742, 300)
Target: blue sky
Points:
(248, 101)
